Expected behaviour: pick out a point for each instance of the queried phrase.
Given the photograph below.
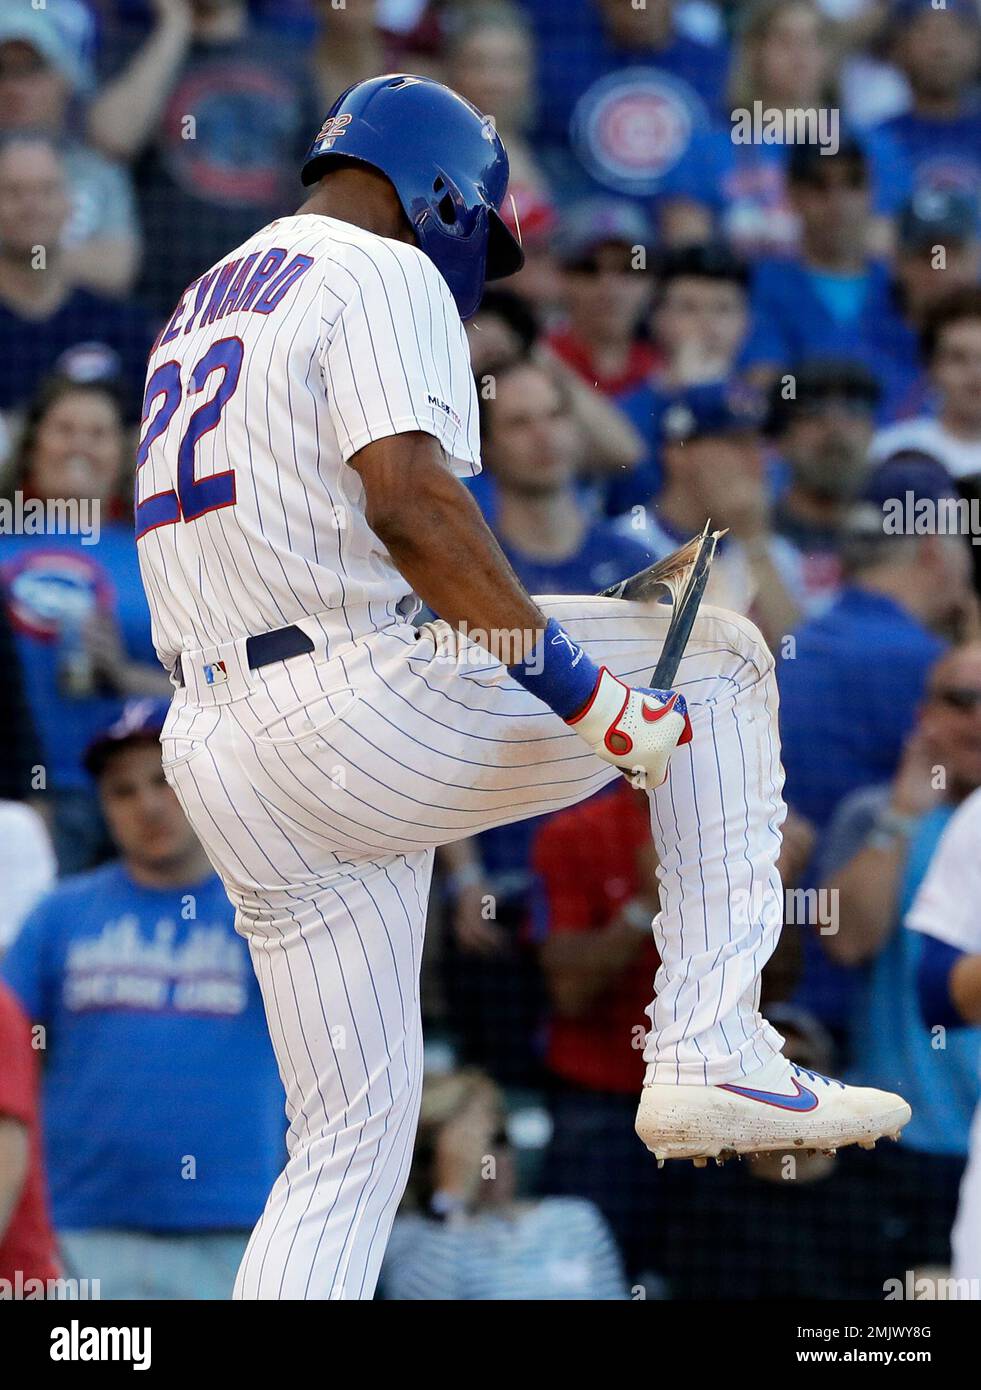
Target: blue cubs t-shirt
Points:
(800, 313)
(923, 153)
(162, 1104)
(51, 585)
(615, 119)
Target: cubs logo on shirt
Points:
(631, 128)
(47, 588)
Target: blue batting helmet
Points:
(447, 164)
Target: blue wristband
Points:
(558, 672)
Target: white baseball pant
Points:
(320, 786)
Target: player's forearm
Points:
(965, 988)
(441, 544)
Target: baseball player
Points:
(309, 409)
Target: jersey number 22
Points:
(193, 496)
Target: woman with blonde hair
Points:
(786, 60)
(463, 1233)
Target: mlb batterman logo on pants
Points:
(320, 370)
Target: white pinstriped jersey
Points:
(303, 345)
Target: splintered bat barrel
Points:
(683, 574)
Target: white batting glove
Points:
(634, 728)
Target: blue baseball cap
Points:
(141, 721)
(596, 222)
(714, 409)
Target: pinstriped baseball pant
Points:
(320, 786)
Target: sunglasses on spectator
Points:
(960, 697)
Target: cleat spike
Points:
(700, 1162)
(866, 1143)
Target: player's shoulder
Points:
(351, 253)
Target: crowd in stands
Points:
(781, 334)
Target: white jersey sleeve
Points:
(395, 355)
(948, 904)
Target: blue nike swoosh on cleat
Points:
(803, 1100)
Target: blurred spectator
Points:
(215, 126)
(162, 1105)
(937, 143)
(47, 322)
(489, 58)
(27, 1243)
(698, 323)
(464, 1233)
(939, 250)
(713, 467)
(530, 447)
(602, 248)
(606, 443)
(831, 298)
(852, 680)
(876, 854)
(821, 421)
(75, 599)
(952, 355)
(872, 87)
(533, 448)
(624, 87)
(40, 74)
(784, 58)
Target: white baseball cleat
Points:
(778, 1108)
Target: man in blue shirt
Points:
(162, 1102)
(935, 145)
(852, 678)
(833, 299)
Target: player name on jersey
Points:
(234, 287)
